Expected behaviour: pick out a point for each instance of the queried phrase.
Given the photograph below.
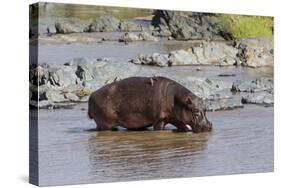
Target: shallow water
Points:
(61, 53)
(70, 153)
(241, 142)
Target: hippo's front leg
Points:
(159, 125)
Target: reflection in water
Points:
(241, 142)
(145, 154)
(69, 154)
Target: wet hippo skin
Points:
(139, 102)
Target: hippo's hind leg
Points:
(104, 126)
(160, 123)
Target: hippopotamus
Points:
(139, 102)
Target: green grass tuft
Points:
(245, 26)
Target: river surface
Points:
(70, 152)
(59, 54)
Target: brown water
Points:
(241, 142)
(60, 53)
(70, 153)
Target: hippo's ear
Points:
(188, 101)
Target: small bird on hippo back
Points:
(136, 103)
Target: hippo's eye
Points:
(195, 110)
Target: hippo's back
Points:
(130, 95)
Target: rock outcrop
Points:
(186, 25)
(208, 53)
(256, 52)
(258, 91)
(136, 36)
(111, 24)
(61, 86)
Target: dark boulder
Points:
(103, 24)
(185, 25)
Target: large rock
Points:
(215, 53)
(261, 98)
(48, 105)
(208, 53)
(74, 81)
(161, 60)
(45, 104)
(204, 87)
(131, 37)
(60, 25)
(129, 26)
(164, 31)
(183, 57)
(51, 30)
(258, 91)
(185, 25)
(39, 75)
(55, 96)
(215, 93)
(256, 52)
(111, 24)
(72, 97)
(250, 53)
(103, 24)
(259, 84)
(65, 28)
(62, 76)
(84, 68)
(223, 104)
(107, 72)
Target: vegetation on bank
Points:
(85, 12)
(240, 26)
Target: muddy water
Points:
(114, 50)
(70, 153)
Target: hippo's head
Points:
(190, 113)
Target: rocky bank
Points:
(247, 52)
(62, 86)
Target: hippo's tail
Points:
(91, 103)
